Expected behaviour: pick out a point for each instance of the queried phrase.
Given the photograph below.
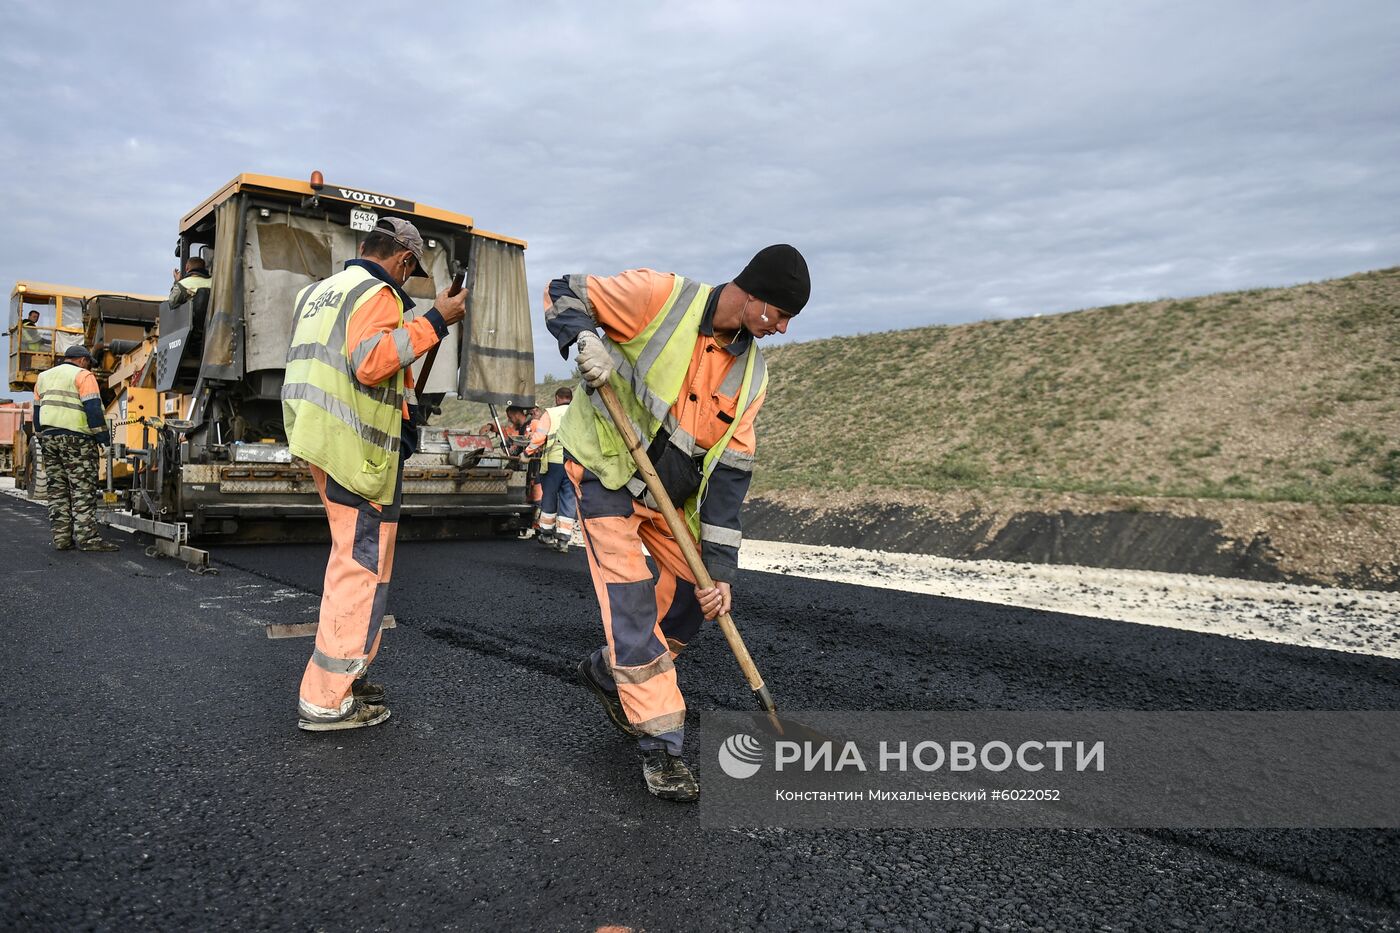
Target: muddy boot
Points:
(545, 537)
(561, 544)
(667, 776)
(366, 692)
(360, 715)
(612, 703)
(98, 545)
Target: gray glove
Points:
(595, 365)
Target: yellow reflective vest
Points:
(193, 283)
(649, 371)
(553, 449)
(60, 401)
(332, 420)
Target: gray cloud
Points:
(937, 163)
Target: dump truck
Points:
(201, 435)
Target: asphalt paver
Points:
(154, 776)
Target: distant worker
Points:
(69, 421)
(346, 414)
(516, 428)
(196, 280)
(555, 525)
(690, 350)
(31, 339)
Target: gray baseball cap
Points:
(78, 352)
(407, 236)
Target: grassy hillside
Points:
(1287, 394)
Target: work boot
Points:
(63, 545)
(360, 715)
(366, 692)
(612, 703)
(667, 776)
(545, 537)
(98, 545)
(561, 544)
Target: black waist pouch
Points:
(679, 472)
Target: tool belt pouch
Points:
(678, 471)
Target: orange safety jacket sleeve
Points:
(621, 305)
(379, 346)
(539, 433)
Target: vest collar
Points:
(376, 270)
(197, 273)
(741, 341)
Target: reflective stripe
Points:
(667, 329)
(363, 351)
(324, 354)
(578, 284)
(312, 711)
(301, 303)
(681, 439)
(65, 404)
(734, 379)
(644, 672)
(669, 722)
(304, 391)
(89, 396)
(715, 534)
(60, 393)
(338, 665)
(403, 342)
(737, 459)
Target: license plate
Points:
(363, 220)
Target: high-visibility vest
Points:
(346, 428)
(648, 374)
(60, 402)
(193, 283)
(29, 337)
(553, 450)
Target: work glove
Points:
(104, 439)
(595, 365)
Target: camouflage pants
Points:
(70, 470)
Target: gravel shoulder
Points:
(1364, 621)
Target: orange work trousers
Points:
(353, 598)
(646, 620)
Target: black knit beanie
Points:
(777, 275)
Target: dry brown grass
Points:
(1283, 394)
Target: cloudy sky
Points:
(937, 162)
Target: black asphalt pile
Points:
(154, 777)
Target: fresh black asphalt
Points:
(154, 778)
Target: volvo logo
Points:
(369, 197)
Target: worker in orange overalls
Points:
(345, 408)
(554, 526)
(683, 361)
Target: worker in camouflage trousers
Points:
(68, 418)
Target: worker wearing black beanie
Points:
(681, 358)
(778, 275)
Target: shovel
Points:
(681, 533)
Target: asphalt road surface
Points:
(154, 777)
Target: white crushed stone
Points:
(1360, 621)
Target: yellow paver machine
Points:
(205, 451)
